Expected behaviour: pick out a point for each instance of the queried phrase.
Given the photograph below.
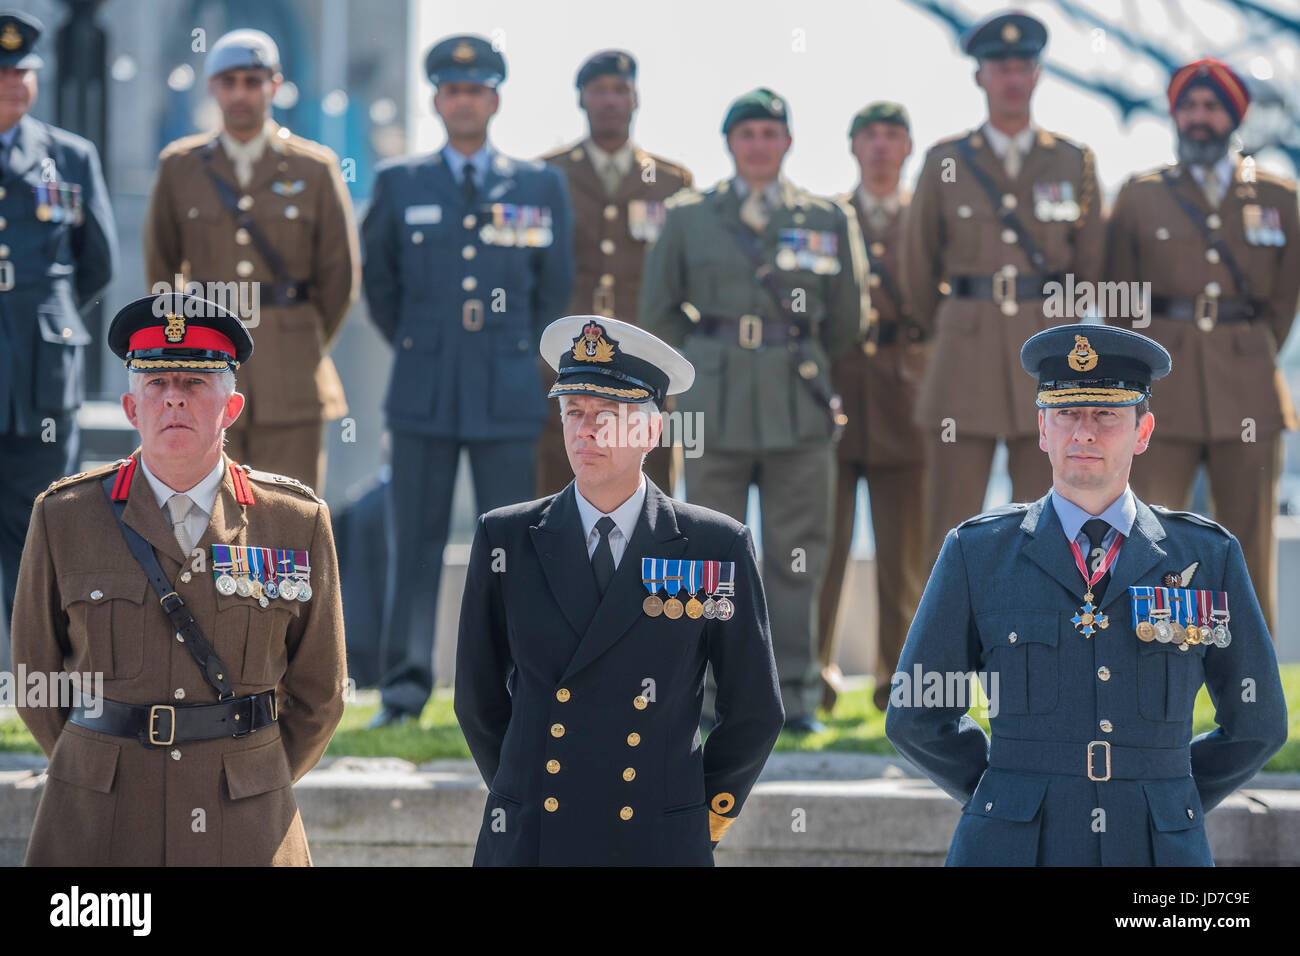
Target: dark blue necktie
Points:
(1096, 529)
(602, 559)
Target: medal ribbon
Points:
(648, 578)
(285, 560)
(1189, 606)
(1203, 606)
(726, 577)
(268, 564)
(1219, 601)
(1141, 594)
(672, 576)
(710, 576)
(300, 563)
(1105, 564)
(692, 577)
(1160, 602)
(255, 563)
(220, 552)
(239, 560)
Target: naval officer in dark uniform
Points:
(586, 625)
(58, 248)
(468, 255)
(1094, 619)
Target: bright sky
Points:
(826, 59)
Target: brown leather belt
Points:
(1205, 310)
(161, 725)
(752, 331)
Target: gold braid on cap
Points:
(1115, 396)
(139, 365)
(602, 390)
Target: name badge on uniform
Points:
(522, 226)
(808, 250)
(59, 203)
(1054, 202)
(1263, 225)
(423, 215)
(645, 219)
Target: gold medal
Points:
(1193, 634)
(1146, 631)
(673, 608)
(653, 605)
(694, 609)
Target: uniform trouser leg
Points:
(846, 499)
(503, 472)
(27, 466)
(955, 482)
(1029, 467)
(294, 450)
(1243, 489)
(424, 476)
(898, 520)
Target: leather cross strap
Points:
(226, 193)
(1008, 216)
(213, 668)
(1212, 239)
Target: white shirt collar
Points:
(204, 494)
(621, 157)
(1223, 171)
(999, 141)
(771, 192)
(252, 150)
(625, 515)
(869, 201)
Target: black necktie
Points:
(1096, 530)
(468, 188)
(602, 559)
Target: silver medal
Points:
(289, 590)
(244, 587)
(725, 609)
(272, 589)
(225, 585)
(1164, 632)
(304, 591)
(263, 601)
(710, 609)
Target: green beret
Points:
(757, 104)
(880, 112)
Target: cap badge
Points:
(777, 106)
(464, 53)
(592, 346)
(1010, 33)
(1082, 357)
(11, 39)
(175, 331)
(623, 64)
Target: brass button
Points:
(1212, 255)
(1190, 814)
(873, 314)
(3, 222)
(611, 212)
(607, 246)
(964, 211)
(4, 251)
(185, 577)
(640, 703)
(180, 638)
(1008, 236)
(1162, 233)
(557, 730)
(1212, 289)
(290, 212)
(877, 248)
(552, 766)
(176, 755)
(563, 695)
(988, 806)
(244, 268)
(874, 281)
(407, 342)
(245, 203)
(179, 693)
(96, 594)
(1103, 673)
(633, 739)
(1106, 726)
(242, 237)
(1008, 201)
(194, 212)
(469, 252)
(551, 804)
(625, 813)
(417, 237)
(469, 283)
(2, 192)
(1013, 637)
(1213, 220)
(629, 774)
(66, 333)
(607, 280)
(469, 221)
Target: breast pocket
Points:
(1020, 652)
(1168, 679)
(250, 639)
(106, 621)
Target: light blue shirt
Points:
(8, 136)
(1120, 515)
(625, 518)
(457, 161)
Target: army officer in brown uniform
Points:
(164, 761)
(617, 190)
(1219, 243)
(878, 384)
(998, 213)
(256, 204)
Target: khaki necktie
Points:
(180, 506)
(754, 212)
(1211, 187)
(1011, 162)
(610, 176)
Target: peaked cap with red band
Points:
(176, 331)
(1216, 76)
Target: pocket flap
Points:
(1007, 796)
(62, 329)
(262, 769)
(1017, 628)
(85, 762)
(96, 587)
(1174, 804)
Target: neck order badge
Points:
(1083, 621)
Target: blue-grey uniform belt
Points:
(1096, 759)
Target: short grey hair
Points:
(135, 380)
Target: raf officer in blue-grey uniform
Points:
(468, 254)
(57, 253)
(587, 622)
(1093, 620)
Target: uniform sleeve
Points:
(849, 305)
(1090, 229)
(1121, 246)
(381, 259)
(748, 703)
(922, 247)
(1286, 286)
(39, 631)
(1244, 686)
(160, 233)
(663, 284)
(554, 263)
(94, 242)
(948, 746)
(336, 260)
(316, 677)
(483, 662)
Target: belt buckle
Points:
(751, 332)
(1004, 290)
(153, 716)
(1206, 311)
(275, 707)
(471, 315)
(1099, 743)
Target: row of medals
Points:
(290, 589)
(1166, 632)
(722, 609)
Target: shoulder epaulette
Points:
(100, 472)
(283, 481)
(1015, 508)
(186, 144)
(1191, 516)
(239, 479)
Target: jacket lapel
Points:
(228, 519)
(656, 535)
(499, 179)
(143, 514)
(630, 185)
(268, 164)
(1139, 553)
(29, 147)
(563, 553)
(1046, 545)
